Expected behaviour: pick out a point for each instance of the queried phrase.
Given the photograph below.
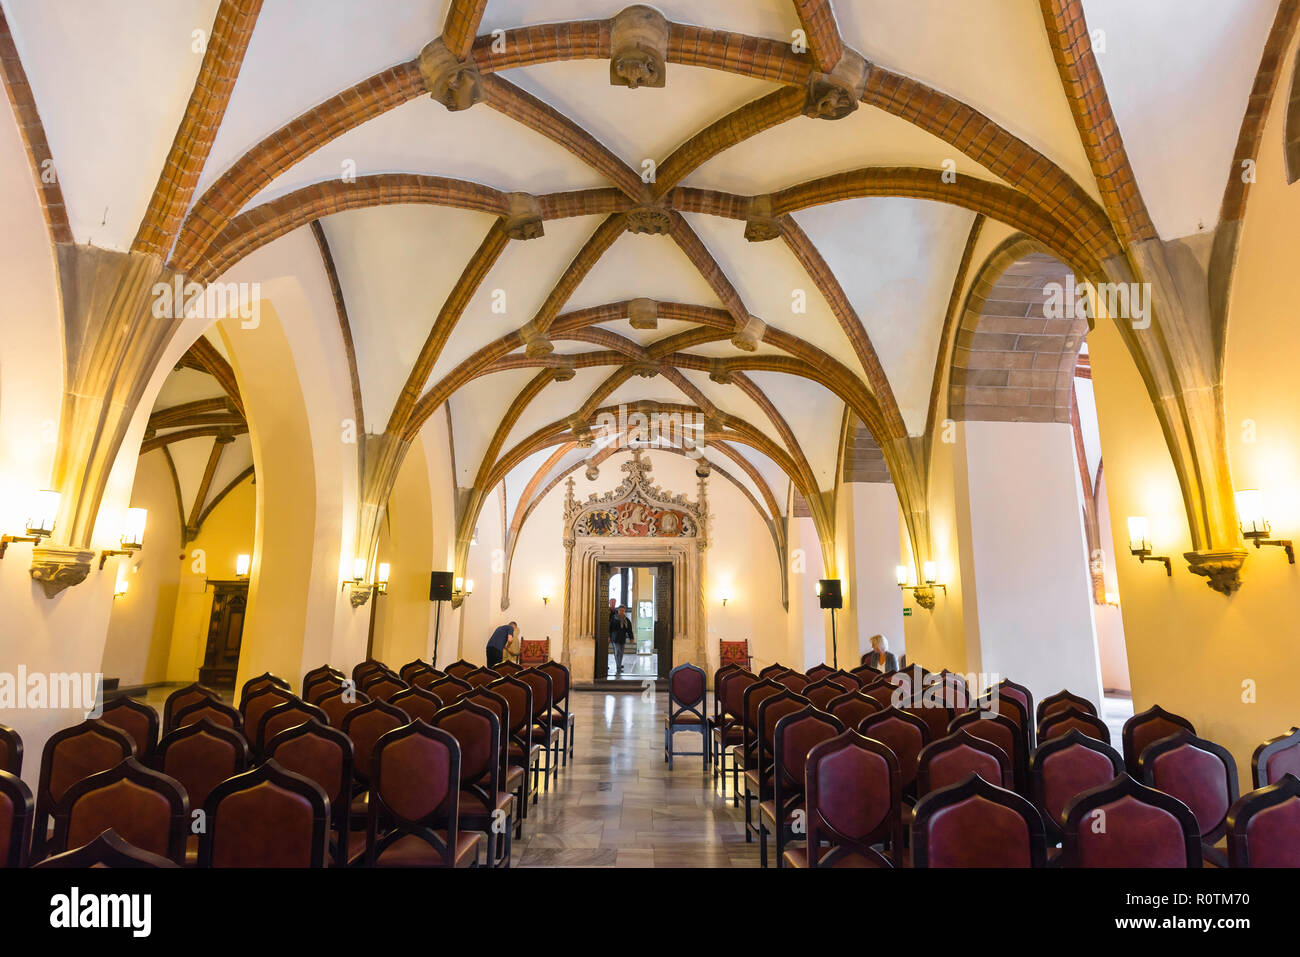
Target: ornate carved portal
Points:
(636, 522)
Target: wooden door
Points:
(225, 632)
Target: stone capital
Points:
(57, 567)
(1222, 568)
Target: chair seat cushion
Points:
(731, 734)
(516, 753)
(515, 777)
(767, 811)
(471, 805)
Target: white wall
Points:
(874, 590)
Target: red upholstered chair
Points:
(825, 690)
(793, 680)
(1059, 722)
(482, 800)
(183, 698)
(366, 725)
(758, 772)
(853, 801)
(687, 694)
(933, 713)
(745, 755)
(1274, 758)
(561, 714)
(545, 731)
(1008, 704)
(728, 724)
(260, 683)
(1201, 774)
(218, 712)
(852, 707)
(534, 652)
(266, 817)
(146, 808)
(1003, 732)
(866, 674)
(883, 692)
(734, 653)
(796, 734)
(847, 678)
(950, 759)
(70, 755)
(259, 702)
(416, 774)
(956, 695)
(1007, 688)
(426, 679)
(522, 755)
(339, 702)
(137, 719)
(417, 703)
(1065, 766)
(459, 669)
(11, 750)
(480, 677)
(1147, 727)
(449, 688)
(363, 669)
(17, 808)
(1060, 701)
(282, 717)
(382, 685)
(200, 756)
(1264, 826)
(977, 824)
(322, 754)
(512, 778)
(412, 668)
(317, 681)
(905, 734)
(775, 669)
(506, 668)
(107, 850)
(1123, 824)
(818, 672)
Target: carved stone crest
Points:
(636, 508)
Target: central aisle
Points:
(618, 805)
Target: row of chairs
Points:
(376, 787)
(939, 737)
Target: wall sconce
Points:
(119, 587)
(132, 537)
(358, 570)
(546, 599)
(726, 596)
(242, 565)
(381, 578)
(40, 523)
(1254, 526)
(462, 588)
(1139, 543)
(923, 593)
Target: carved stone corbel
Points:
(563, 369)
(720, 373)
(760, 224)
(536, 345)
(638, 48)
(750, 335)
(581, 430)
(643, 314)
(646, 369)
(1222, 569)
(57, 567)
(924, 595)
(649, 219)
(834, 95)
(454, 83)
(358, 594)
(523, 216)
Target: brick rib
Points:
(461, 26)
(824, 42)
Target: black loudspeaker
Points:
(828, 590)
(440, 586)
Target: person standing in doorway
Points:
(620, 632)
(499, 642)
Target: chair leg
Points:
(762, 842)
(749, 822)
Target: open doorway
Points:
(640, 594)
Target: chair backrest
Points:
(905, 734)
(1264, 826)
(1008, 704)
(793, 681)
(795, 735)
(753, 697)
(1200, 773)
(412, 668)
(181, 698)
(146, 808)
(1065, 766)
(321, 686)
(534, 651)
(560, 681)
(480, 677)
(363, 669)
(847, 678)
(1123, 824)
(259, 702)
(69, 756)
(1146, 727)
(956, 693)
(853, 797)
(218, 712)
(137, 719)
(324, 675)
(720, 677)
(687, 690)
(977, 824)
(732, 692)
(518, 696)
(17, 809)
(339, 702)
(1022, 696)
(260, 683)
(773, 670)
(383, 685)
(200, 756)
(734, 652)
(417, 703)
(770, 711)
(950, 759)
(478, 732)
(460, 668)
(319, 753)
(508, 668)
(416, 773)
(426, 679)
(1003, 732)
(825, 690)
(1274, 758)
(107, 850)
(1059, 702)
(449, 688)
(882, 692)
(540, 683)
(1071, 718)
(818, 672)
(486, 698)
(266, 817)
(11, 750)
(933, 713)
(366, 725)
(284, 716)
(866, 674)
(852, 707)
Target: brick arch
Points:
(1010, 363)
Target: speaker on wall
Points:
(828, 590)
(440, 586)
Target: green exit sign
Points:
(907, 613)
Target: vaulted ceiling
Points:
(962, 134)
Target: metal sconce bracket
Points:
(1144, 555)
(108, 553)
(6, 539)
(1261, 538)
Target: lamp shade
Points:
(381, 576)
(469, 586)
(242, 563)
(133, 528)
(931, 572)
(900, 572)
(1250, 511)
(1139, 533)
(120, 586)
(45, 509)
(358, 569)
